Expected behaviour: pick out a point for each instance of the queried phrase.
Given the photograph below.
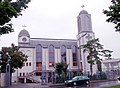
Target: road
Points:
(92, 85)
(95, 85)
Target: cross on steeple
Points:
(23, 26)
(82, 6)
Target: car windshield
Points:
(80, 77)
(85, 77)
(75, 78)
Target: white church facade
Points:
(43, 53)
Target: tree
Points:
(17, 58)
(113, 14)
(95, 50)
(65, 71)
(58, 68)
(61, 69)
(8, 10)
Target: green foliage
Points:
(58, 68)
(17, 58)
(113, 14)
(61, 70)
(8, 10)
(99, 76)
(95, 50)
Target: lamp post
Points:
(7, 74)
(69, 75)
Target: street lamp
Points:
(7, 74)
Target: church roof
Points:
(83, 12)
(24, 33)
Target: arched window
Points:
(39, 57)
(28, 53)
(63, 53)
(74, 55)
(51, 55)
(39, 53)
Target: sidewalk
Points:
(28, 85)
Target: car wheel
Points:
(74, 83)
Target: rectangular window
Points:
(107, 64)
(27, 74)
(39, 66)
(74, 63)
(23, 74)
(30, 64)
(26, 64)
(20, 74)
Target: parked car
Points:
(78, 80)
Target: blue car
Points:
(78, 80)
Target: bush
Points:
(99, 76)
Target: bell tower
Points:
(84, 22)
(85, 34)
(23, 38)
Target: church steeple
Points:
(84, 22)
(85, 34)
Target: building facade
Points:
(111, 67)
(43, 53)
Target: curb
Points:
(59, 84)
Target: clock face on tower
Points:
(24, 39)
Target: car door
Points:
(77, 81)
(82, 81)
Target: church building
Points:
(43, 53)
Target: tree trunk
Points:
(10, 78)
(91, 70)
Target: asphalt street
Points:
(38, 85)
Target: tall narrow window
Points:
(39, 53)
(63, 53)
(51, 55)
(39, 57)
(74, 55)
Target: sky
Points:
(58, 19)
